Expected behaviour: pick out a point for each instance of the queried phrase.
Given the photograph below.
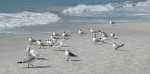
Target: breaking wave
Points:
(11, 20)
(87, 9)
(92, 10)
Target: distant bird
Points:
(116, 46)
(94, 31)
(32, 55)
(60, 43)
(104, 34)
(111, 22)
(65, 35)
(113, 35)
(31, 40)
(80, 31)
(41, 44)
(55, 34)
(53, 38)
(69, 54)
(50, 43)
(94, 38)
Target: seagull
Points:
(31, 40)
(65, 35)
(32, 55)
(41, 44)
(94, 31)
(113, 35)
(116, 46)
(94, 38)
(60, 43)
(80, 31)
(111, 22)
(69, 54)
(50, 43)
(55, 34)
(104, 34)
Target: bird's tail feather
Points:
(42, 58)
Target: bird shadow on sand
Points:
(75, 60)
(123, 50)
(60, 50)
(66, 46)
(47, 66)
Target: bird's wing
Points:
(72, 54)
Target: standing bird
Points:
(65, 35)
(94, 31)
(111, 22)
(69, 54)
(80, 31)
(50, 43)
(113, 35)
(60, 43)
(31, 40)
(116, 46)
(32, 55)
(104, 34)
(95, 39)
(41, 44)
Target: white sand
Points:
(133, 58)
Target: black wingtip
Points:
(19, 62)
(73, 55)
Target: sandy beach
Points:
(133, 58)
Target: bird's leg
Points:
(28, 65)
(31, 65)
(67, 58)
(40, 47)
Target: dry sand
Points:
(133, 58)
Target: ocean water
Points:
(19, 17)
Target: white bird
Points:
(65, 35)
(111, 22)
(32, 55)
(41, 44)
(94, 38)
(116, 46)
(113, 35)
(60, 43)
(55, 34)
(94, 31)
(50, 43)
(31, 40)
(104, 34)
(80, 31)
(69, 54)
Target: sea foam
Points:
(92, 10)
(19, 19)
(86, 9)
